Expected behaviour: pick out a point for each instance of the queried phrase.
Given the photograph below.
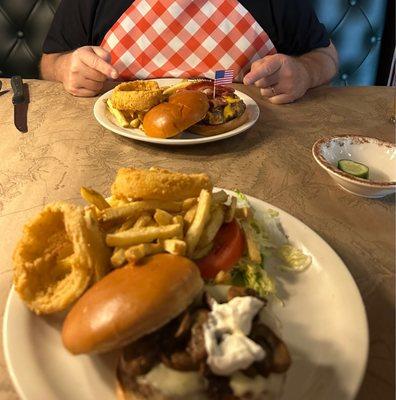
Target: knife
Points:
(20, 99)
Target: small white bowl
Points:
(377, 155)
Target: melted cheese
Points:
(258, 387)
(175, 383)
(242, 385)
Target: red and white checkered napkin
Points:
(184, 38)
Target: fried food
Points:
(253, 248)
(200, 219)
(60, 253)
(93, 197)
(212, 227)
(134, 209)
(143, 235)
(118, 115)
(158, 184)
(136, 95)
(162, 217)
(230, 213)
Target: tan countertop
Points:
(66, 148)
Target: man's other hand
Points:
(84, 71)
(281, 78)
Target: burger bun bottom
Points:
(213, 130)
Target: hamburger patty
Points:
(180, 345)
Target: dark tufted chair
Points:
(356, 27)
(23, 27)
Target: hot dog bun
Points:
(183, 109)
(131, 302)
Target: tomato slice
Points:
(228, 248)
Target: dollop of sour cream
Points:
(225, 332)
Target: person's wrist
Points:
(307, 73)
(60, 67)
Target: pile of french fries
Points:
(188, 228)
(126, 119)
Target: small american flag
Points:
(223, 77)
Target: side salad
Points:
(245, 248)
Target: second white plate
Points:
(104, 117)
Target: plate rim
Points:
(341, 266)
(107, 124)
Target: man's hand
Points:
(282, 79)
(82, 72)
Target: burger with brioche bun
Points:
(131, 302)
(198, 108)
(178, 341)
(182, 110)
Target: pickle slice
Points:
(354, 168)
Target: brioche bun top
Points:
(131, 302)
(184, 109)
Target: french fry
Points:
(199, 253)
(93, 197)
(178, 219)
(128, 224)
(135, 253)
(223, 278)
(230, 212)
(118, 258)
(135, 123)
(243, 213)
(253, 248)
(135, 208)
(119, 116)
(144, 220)
(202, 215)
(162, 217)
(212, 227)
(175, 246)
(146, 234)
(189, 216)
(219, 197)
(188, 203)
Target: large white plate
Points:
(104, 117)
(323, 322)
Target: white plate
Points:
(104, 117)
(323, 323)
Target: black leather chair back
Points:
(356, 28)
(23, 27)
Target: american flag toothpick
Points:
(223, 77)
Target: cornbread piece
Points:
(158, 184)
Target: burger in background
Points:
(198, 108)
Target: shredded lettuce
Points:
(274, 245)
(253, 276)
(293, 258)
